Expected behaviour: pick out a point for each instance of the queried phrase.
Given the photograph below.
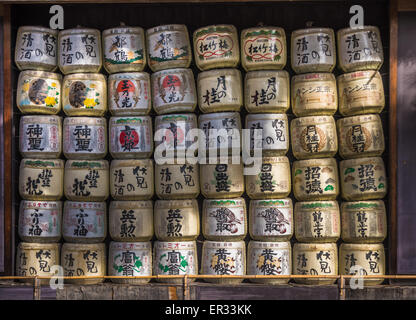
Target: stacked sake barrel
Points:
(314, 145)
(220, 98)
(361, 143)
(40, 145)
(266, 99)
(176, 213)
(131, 147)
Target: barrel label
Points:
(39, 137)
(318, 48)
(263, 46)
(175, 261)
(275, 135)
(214, 43)
(272, 221)
(130, 181)
(223, 261)
(84, 139)
(269, 261)
(129, 94)
(168, 46)
(267, 92)
(84, 223)
(84, 94)
(130, 138)
(80, 50)
(38, 222)
(360, 46)
(39, 92)
(36, 47)
(123, 49)
(130, 262)
(223, 221)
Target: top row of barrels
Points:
(129, 49)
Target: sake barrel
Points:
(263, 48)
(85, 138)
(220, 90)
(314, 137)
(274, 140)
(315, 179)
(173, 90)
(84, 222)
(317, 221)
(363, 221)
(223, 179)
(130, 259)
(41, 179)
(175, 134)
(79, 50)
(360, 92)
(269, 259)
(168, 47)
(271, 220)
(131, 137)
(220, 258)
(216, 46)
(129, 94)
(313, 50)
(315, 259)
(84, 94)
(39, 92)
(174, 259)
(177, 181)
(40, 221)
(132, 179)
(124, 49)
(273, 180)
(219, 133)
(84, 260)
(266, 91)
(362, 260)
(36, 48)
(360, 136)
(224, 219)
(314, 94)
(36, 259)
(176, 220)
(359, 49)
(363, 179)
(131, 221)
(40, 137)
(86, 180)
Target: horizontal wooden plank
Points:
(406, 5)
(156, 1)
(16, 293)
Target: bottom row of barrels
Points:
(264, 259)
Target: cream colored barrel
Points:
(359, 49)
(37, 259)
(174, 90)
(79, 260)
(315, 179)
(131, 221)
(315, 259)
(168, 47)
(313, 50)
(130, 259)
(41, 179)
(363, 179)
(40, 137)
(131, 137)
(363, 259)
(85, 138)
(129, 94)
(269, 259)
(273, 180)
(177, 181)
(271, 220)
(175, 259)
(40, 221)
(220, 90)
(132, 179)
(124, 49)
(314, 137)
(317, 221)
(39, 92)
(86, 180)
(36, 48)
(363, 221)
(223, 259)
(222, 180)
(216, 46)
(274, 140)
(314, 94)
(267, 91)
(84, 222)
(79, 50)
(263, 48)
(360, 92)
(84, 94)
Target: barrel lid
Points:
(226, 244)
(85, 120)
(37, 29)
(358, 205)
(33, 204)
(275, 160)
(85, 205)
(307, 31)
(176, 204)
(123, 30)
(129, 75)
(40, 74)
(87, 164)
(220, 72)
(315, 246)
(358, 75)
(269, 28)
(313, 205)
(301, 121)
(266, 74)
(190, 117)
(224, 202)
(266, 116)
(360, 161)
(219, 115)
(272, 202)
(42, 163)
(130, 245)
(361, 119)
(345, 31)
(85, 76)
(314, 76)
(130, 120)
(216, 28)
(168, 27)
(146, 204)
(172, 71)
(37, 246)
(361, 246)
(83, 246)
(41, 119)
(315, 162)
(117, 163)
(177, 245)
(79, 30)
(265, 244)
